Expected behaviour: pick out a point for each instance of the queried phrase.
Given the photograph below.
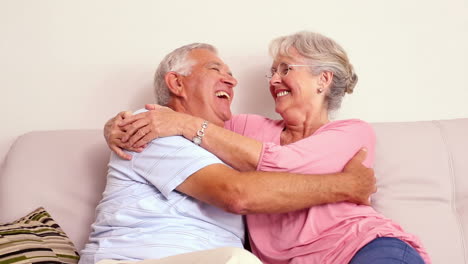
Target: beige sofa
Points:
(422, 171)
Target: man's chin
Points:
(226, 116)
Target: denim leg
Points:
(387, 250)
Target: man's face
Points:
(209, 87)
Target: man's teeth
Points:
(222, 94)
(283, 93)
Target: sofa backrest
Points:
(422, 175)
(422, 171)
(63, 171)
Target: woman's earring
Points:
(319, 90)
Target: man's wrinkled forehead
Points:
(207, 57)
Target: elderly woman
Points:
(309, 76)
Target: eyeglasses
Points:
(283, 69)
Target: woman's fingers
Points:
(133, 128)
(137, 135)
(120, 152)
(132, 118)
(144, 141)
(152, 106)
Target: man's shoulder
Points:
(173, 141)
(175, 147)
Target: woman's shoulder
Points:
(251, 121)
(354, 126)
(349, 123)
(253, 117)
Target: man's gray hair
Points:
(176, 61)
(325, 55)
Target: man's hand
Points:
(113, 133)
(360, 179)
(159, 122)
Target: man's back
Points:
(142, 216)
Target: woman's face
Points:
(295, 93)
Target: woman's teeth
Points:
(221, 94)
(283, 93)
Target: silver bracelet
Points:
(200, 133)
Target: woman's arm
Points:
(326, 151)
(238, 151)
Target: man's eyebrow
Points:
(213, 63)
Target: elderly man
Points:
(174, 197)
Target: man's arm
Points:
(272, 192)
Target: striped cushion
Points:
(35, 238)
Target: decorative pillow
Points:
(35, 238)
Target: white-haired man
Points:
(175, 202)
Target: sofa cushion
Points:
(63, 171)
(421, 169)
(35, 238)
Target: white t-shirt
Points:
(142, 216)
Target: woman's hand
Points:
(158, 122)
(113, 133)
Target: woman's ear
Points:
(326, 78)
(175, 83)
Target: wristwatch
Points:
(197, 139)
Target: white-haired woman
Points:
(309, 76)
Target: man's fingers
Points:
(367, 202)
(361, 155)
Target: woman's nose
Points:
(275, 79)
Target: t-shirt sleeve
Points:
(327, 151)
(167, 162)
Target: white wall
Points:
(74, 64)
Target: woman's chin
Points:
(279, 109)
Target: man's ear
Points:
(326, 78)
(174, 83)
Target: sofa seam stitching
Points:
(452, 178)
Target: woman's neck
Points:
(301, 126)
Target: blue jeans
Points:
(387, 250)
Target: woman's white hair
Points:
(325, 55)
(176, 61)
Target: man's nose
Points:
(229, 80)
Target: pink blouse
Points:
(330, 233)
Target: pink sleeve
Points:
(327, 151)
(236, 124)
